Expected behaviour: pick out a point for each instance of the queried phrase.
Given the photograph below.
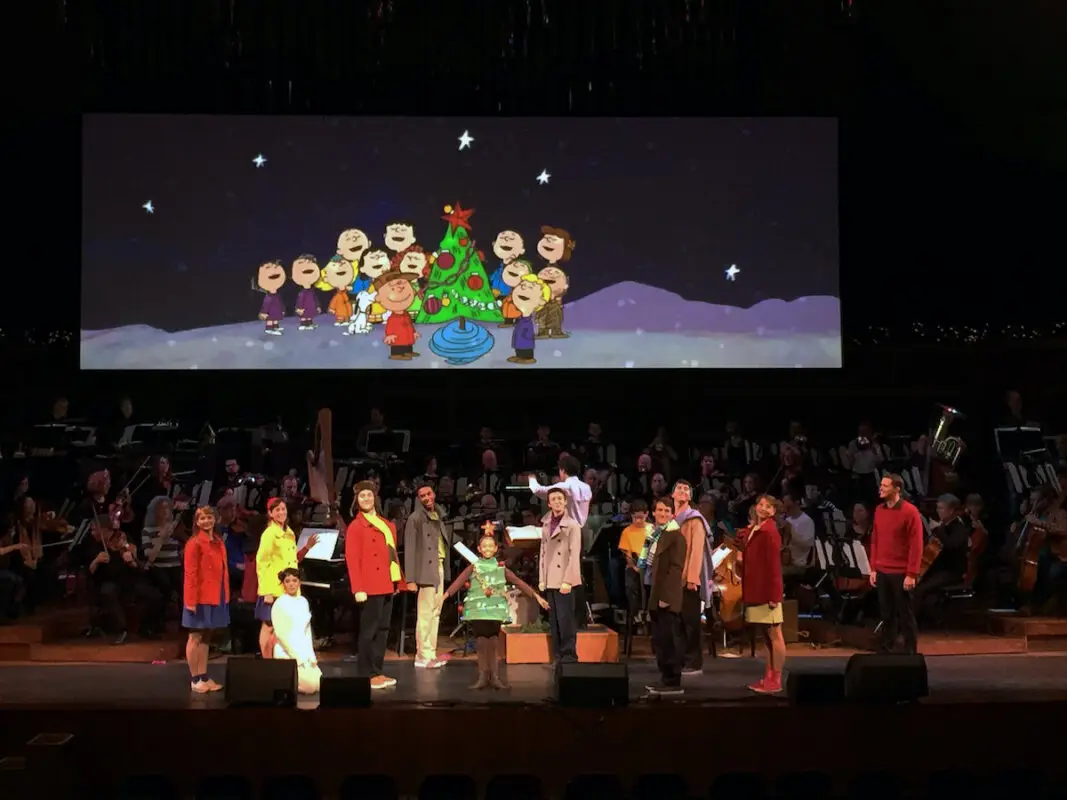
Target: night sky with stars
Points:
(178, 211)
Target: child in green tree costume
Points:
(485, 606)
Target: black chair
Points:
(448, 787)
(514, 787)
(147, 787)
(368, 787)
(661, 786)
(290, 787)
(225, 787)
(595, 787)
(805, 786)
(738, 786)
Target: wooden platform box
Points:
(596, 644)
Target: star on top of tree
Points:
(458, 217)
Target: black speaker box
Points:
(815, 688)
(344, 692)
(261, 682)
(873, 678)
(593, 685)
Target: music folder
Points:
(325, 545)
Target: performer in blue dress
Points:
(206, 596)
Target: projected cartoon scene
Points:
(403, 243)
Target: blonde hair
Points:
(546, 293)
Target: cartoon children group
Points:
(385, 285)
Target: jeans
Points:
(692, 630)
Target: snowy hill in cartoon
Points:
(627, 325)
(632, 306)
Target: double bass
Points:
(728, 580)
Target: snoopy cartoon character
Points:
(359, 323)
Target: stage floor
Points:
(953, 679)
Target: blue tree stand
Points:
(461, 342)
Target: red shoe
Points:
(770, 685)
(759, 685)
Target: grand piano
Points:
(325, 572)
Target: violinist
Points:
(12, 589)
(161, 484)
(1049, 517)
(950, 565)
(118, 580)
(27, 553)
(161, 544)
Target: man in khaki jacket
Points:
(559, 571)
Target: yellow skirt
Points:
(764, 614)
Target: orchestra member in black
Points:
(950, 566)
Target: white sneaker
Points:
(433, 663)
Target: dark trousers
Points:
(112, 597)
(898, 616)
(924, 595)
(561, 625)
(635, 591)
(692, 630)
(669, 644)
(374, 617)
(12, 591)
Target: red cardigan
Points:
(207, 574)
(762, 579)
(367, 557)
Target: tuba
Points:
(943, 452)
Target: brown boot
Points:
(482, 649)
(494, 667)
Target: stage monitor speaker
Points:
(261, 682)
(885, 679)
(815, 688)
(344, 692)
(593, 685)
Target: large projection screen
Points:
(244, 242)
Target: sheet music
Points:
(860, 554)
(465, 551)
(526, 533)
(719, 555)
(325, 545)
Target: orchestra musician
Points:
(763, 592)
(117, 579)
(896, 556)
(950, 565)
(1049, 517)
(161, 545)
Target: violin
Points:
(120, 512)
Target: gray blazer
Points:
(560, 559)
(421, 554)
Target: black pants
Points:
(923, 596)
(635, 591)
(561, 625)
(111, 598)
(898, 616)
(374, 617)
(12, 591)
(322, 615)
(669, 644)
(692, 630)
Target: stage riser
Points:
(942, 643)
(556, 745)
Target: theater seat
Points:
(224, 787)
(738, 786)
(876, 786)
(660, 786)
(448, 787)
(594, 787)
(290, 787)
(368, 787)
(805, 786)
(514, 787)
(147, 787)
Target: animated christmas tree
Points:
(458, 293)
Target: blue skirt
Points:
(263, 610)
(208, 617)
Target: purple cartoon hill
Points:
(625, 325)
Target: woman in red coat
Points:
(206, 596)
(761, 588)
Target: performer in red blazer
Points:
(375, 575)
(761, 590)
(206, 596)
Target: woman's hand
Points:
(361, 597)
(268, 599)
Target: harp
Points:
(320, 465)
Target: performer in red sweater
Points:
(761, 590)
(896, 553)
(395, 295)
(375, 576)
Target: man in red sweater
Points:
(896, 553)
(395, 295)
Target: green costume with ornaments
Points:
(485, 609)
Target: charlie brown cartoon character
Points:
(415, 263)
(555, 245)
(399, 235)
(507, 246)
(511, 275)
(305, 274)
(338, 275)
(395, 294)
(269, 279)
(550, 318)
(530, 294)
(375, 264)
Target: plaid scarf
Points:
(648, 550)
